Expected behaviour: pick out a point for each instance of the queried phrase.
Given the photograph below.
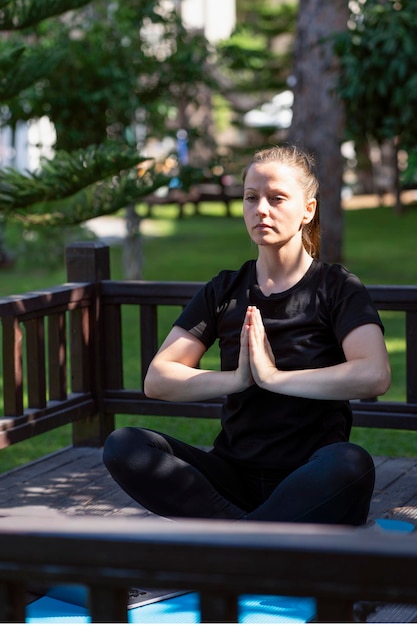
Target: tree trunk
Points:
(6, 259)
(364, 167)
(318, 115)
(398, 205)
(132, 245)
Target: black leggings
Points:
(174, 479)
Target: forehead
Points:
(271, 173)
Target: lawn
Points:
(380, 247)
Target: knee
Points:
(348, 462)
(359, 460)
(355, 463)
(117, 446)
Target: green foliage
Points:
(95, 73)
(117, 63)
(270, 18)
(20, 14)
(378, 77)
(250, 57)
(102, 198)
(409, 174)
(255, 63)
(21, 66)
(77, 200)
(65, 175)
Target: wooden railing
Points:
(218, 560)
(51, 373)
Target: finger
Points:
(258, 326)
(250, 311)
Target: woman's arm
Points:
(174, 374)
(366, 372)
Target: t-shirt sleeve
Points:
(351, 305)
(199, 317)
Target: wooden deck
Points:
(75, 482)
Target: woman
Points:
(298, 339)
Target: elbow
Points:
(385, 384)
(151, 388)
(157, 386)
(381, 382)
(148, 388)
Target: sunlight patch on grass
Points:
(157, 228)
(395, 344)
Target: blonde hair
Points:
(304, 164)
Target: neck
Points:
(276, 274)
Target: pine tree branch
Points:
(102, 198)
(21, 67)
(65, 175)
(19, 14)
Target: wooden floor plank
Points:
(396, 486)
(74, 482)
(390, 468)
(57, 461)
(64, 479)
(393, 613)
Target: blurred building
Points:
(215, 18)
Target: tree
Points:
(74, 186)
(120, 64)
(318, 116)
(109, 67)
(378, 77)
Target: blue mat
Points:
(180, 609)
(394, 525)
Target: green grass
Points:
(380, 247)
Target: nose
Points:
(262, 208)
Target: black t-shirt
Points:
(305, 326)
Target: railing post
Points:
(411, 355)
(90, 262)
(87, 262)
(333, 609)
(12, 602)
(217, 607)
(108, 604)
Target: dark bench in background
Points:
(204, 192)
(63, 363)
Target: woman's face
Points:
(274, 205)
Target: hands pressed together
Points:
(256, 359)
